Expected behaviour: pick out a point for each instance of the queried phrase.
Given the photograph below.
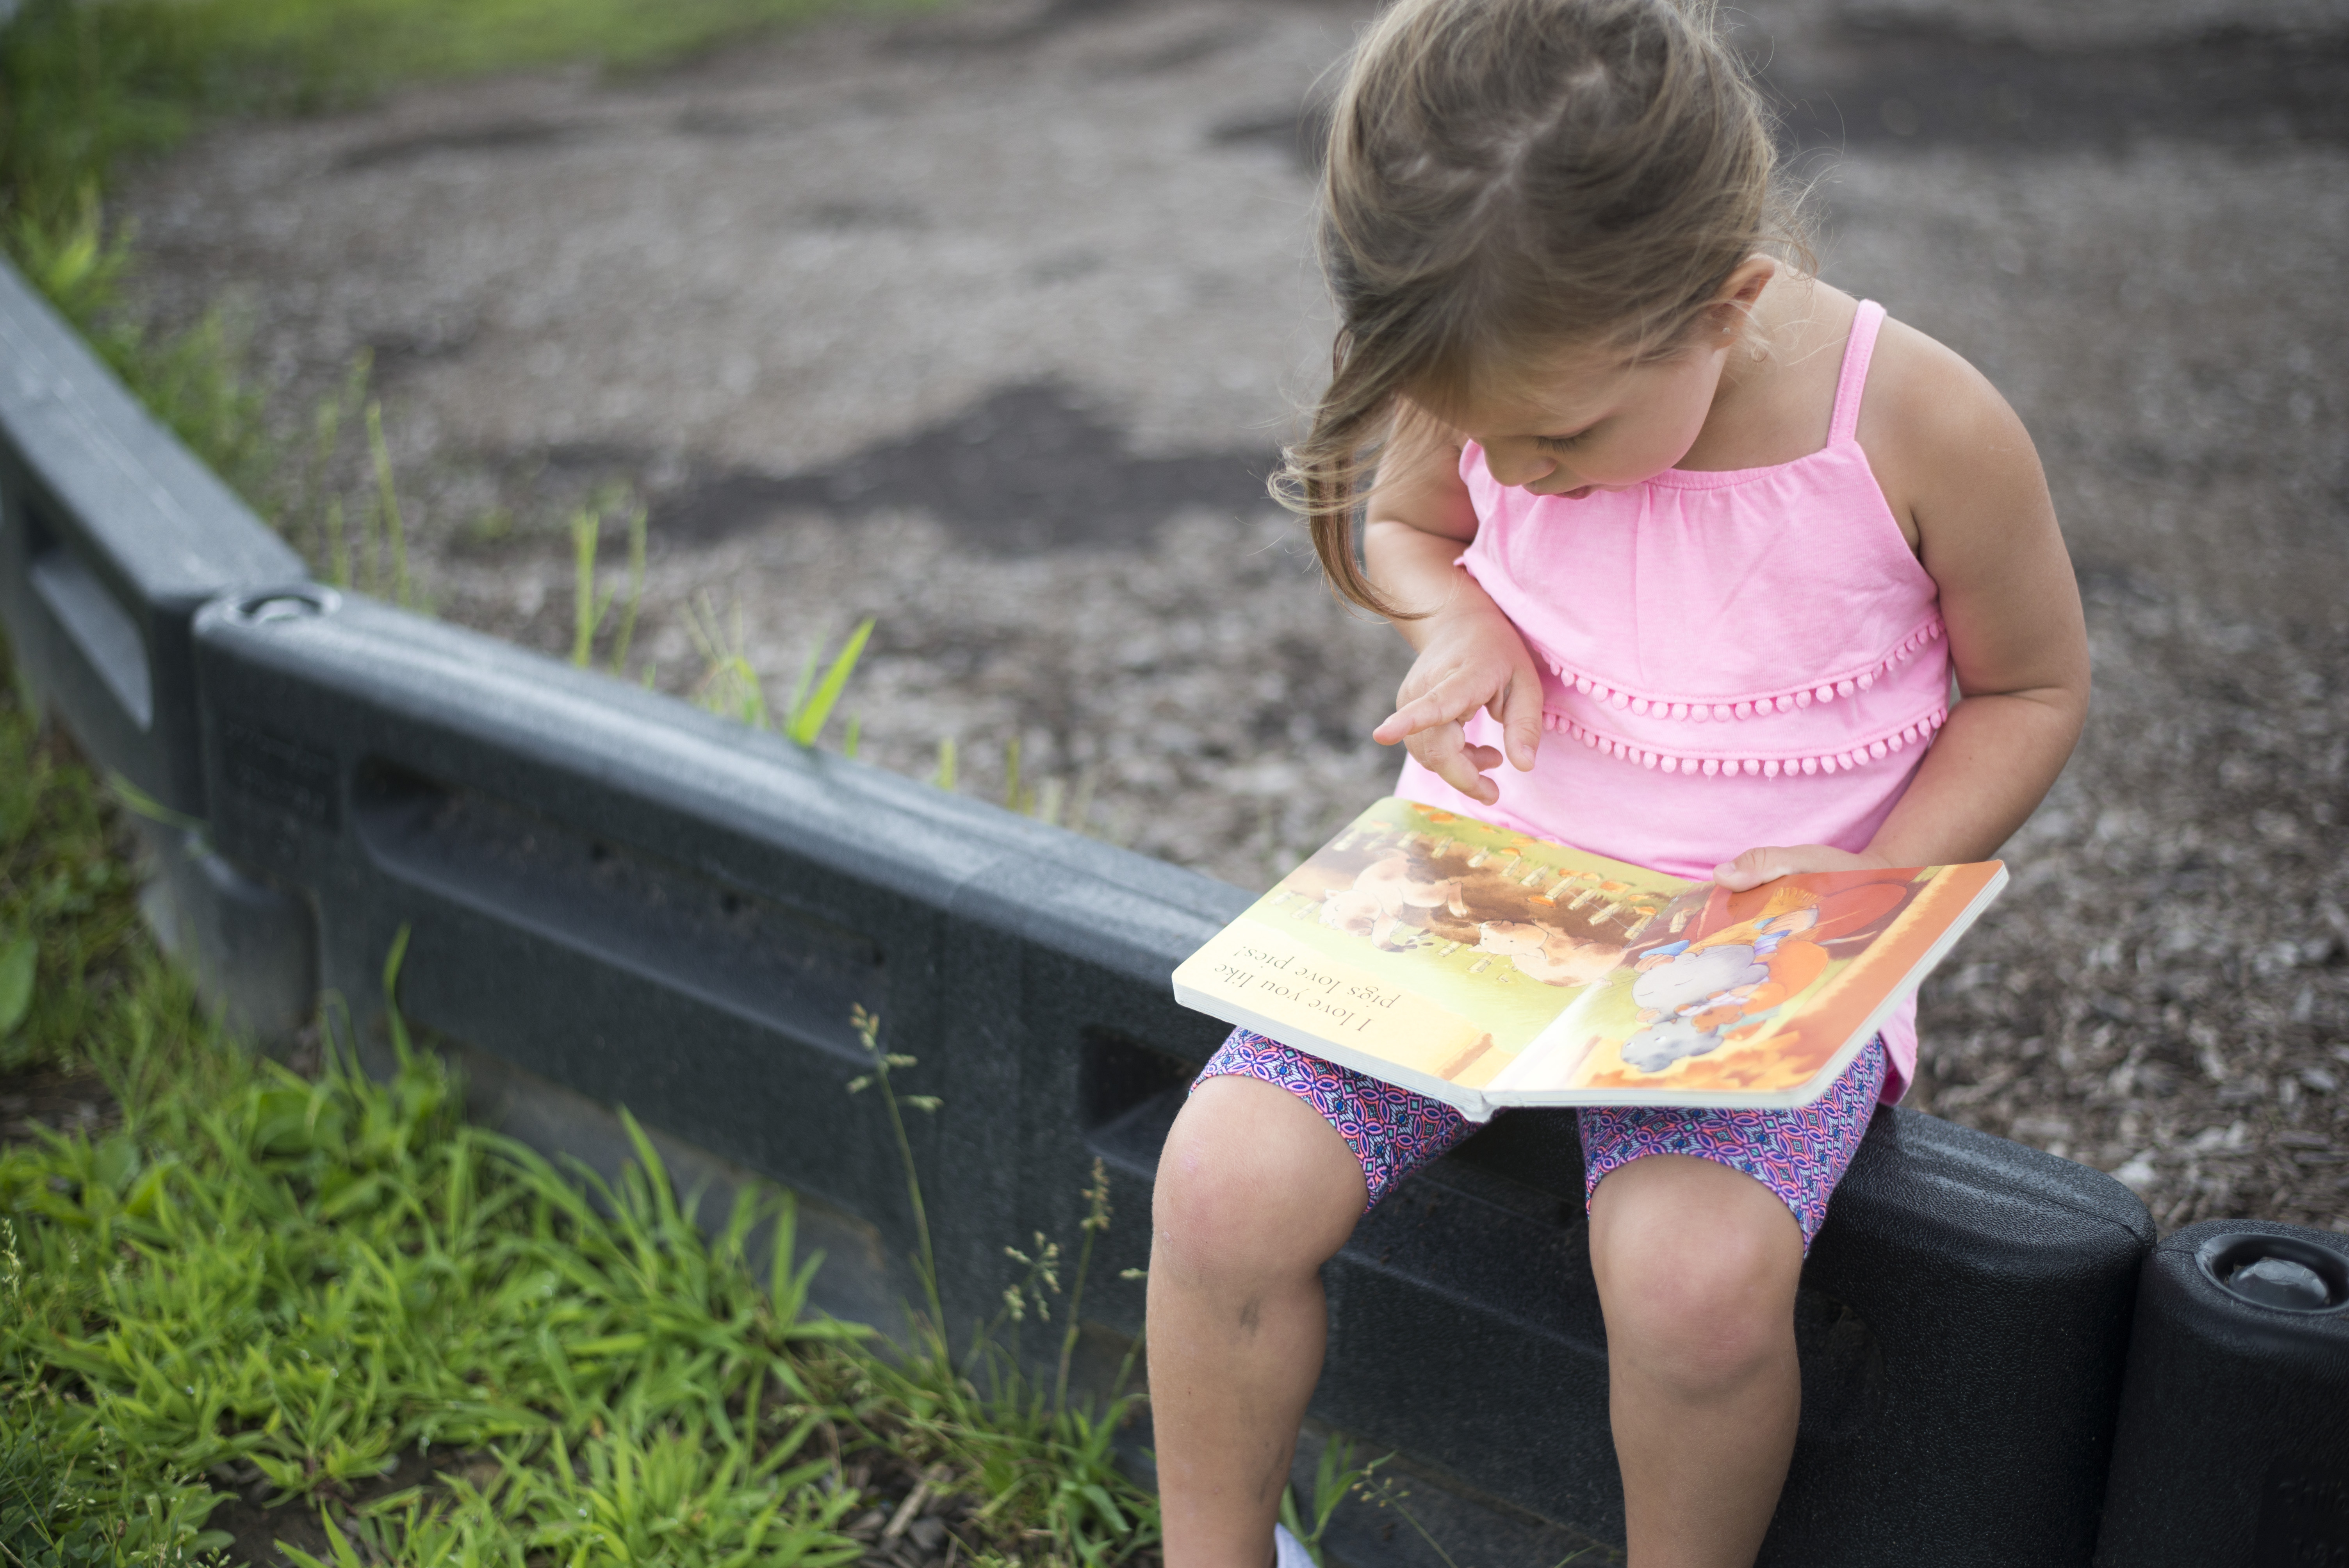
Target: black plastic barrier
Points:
(2233, 1445)
(652, 906)
(658, 908)
(111, 537)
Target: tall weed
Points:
(590, 606)
(1027, 1447)
(731, 686)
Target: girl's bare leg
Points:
(1697, 1265)
(1254, 1193)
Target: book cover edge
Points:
(1468, 1101)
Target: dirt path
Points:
(987, 324)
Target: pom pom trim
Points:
(1919, 732)
(1791, 699)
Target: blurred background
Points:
(985, 320)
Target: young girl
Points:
(1692, 542)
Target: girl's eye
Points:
(1560, 443)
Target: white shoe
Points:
(1288, 1551)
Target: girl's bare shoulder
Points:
(1418, 480)
(1947, 450)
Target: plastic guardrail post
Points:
(111, 536)
(2233, 1445)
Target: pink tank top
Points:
(1738, 658)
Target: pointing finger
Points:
(1435, 706)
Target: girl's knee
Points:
(1251, 1179)
(1696, 1277)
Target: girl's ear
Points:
(1734, 305)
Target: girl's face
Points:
(1595, 423)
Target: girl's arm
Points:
(1417, 518)
(1952, 456)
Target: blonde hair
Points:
(1508, 179)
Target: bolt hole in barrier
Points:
(2276, 1270)
(298, 604)
(2233, 1445)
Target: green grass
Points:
(283, 1284)
(1034, 1453)
(262, 1277)
(68, 912)
(289, 1282)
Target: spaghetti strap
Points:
(1857, 350)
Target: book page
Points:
(1762, 992)
(1490, 968)
(1470, 921)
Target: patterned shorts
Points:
(1798, 1154)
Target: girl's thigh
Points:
(1798, 1154)
(1392, 1132)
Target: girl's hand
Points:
(1772, 861)
(1470, 656)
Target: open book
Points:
(1485, 968)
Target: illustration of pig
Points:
(1385, 895)
(1547, 954)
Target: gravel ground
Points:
(987, 324)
